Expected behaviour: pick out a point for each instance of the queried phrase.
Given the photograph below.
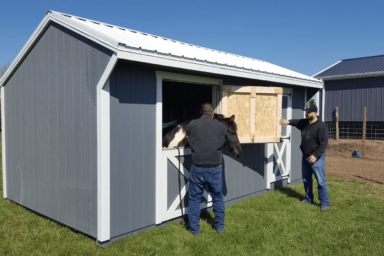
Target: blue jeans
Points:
(198, 178)
(318, 170)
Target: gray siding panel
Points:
(297, 113)
(133, 109)
(352, 95)
(51, 128)
(244, 175)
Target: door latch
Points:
(286, 138)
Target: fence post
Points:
(337, 123)
(364, 123)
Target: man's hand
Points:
(284, 122)
(312, 159)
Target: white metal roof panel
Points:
(144, 41)
(123, 39)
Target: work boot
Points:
(214, 228)
(324, 208)
(194, 234)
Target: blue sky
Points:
(304, 36)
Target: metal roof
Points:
(129, 44)
(354, 68)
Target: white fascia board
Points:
(103, 154)
(163, 60)
(353, 76)
(326, 69)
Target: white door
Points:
(279, 154)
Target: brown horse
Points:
(178, 136)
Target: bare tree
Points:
(4, 68)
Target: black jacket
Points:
(314, 137)
(207, 136)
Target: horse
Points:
(177, 137)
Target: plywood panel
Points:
(266, 115)
(238, 104)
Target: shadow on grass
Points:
(205, 216)
(292, 193)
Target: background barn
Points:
(351, 85)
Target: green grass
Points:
(271, 224)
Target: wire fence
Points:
(354, 130)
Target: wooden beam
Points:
(364, 123)
(337, 123)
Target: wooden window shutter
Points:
(257, 112)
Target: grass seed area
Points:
(370, 167)
(271, 224)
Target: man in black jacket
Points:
(206, 136)
(314, 141)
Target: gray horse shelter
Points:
(84, 111)
(351, 85)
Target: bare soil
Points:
(340, 163)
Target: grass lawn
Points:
(271, 224)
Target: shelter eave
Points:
(152, 57)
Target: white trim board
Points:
(3, 144)
(103, 154)
(211, 68)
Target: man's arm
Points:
(293, 122)
(323, 139)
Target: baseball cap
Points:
(311, 108)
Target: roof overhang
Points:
(352, 76)
(152, 57)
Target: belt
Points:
(207, 165)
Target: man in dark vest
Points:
(206, 136)
(314, 141)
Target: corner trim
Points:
(103, 154)
(3, 144)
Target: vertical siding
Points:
(352, 95)
(133, 109)
(51, 128)
(298, 104)
(244, 175)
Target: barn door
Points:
(279, 154)
(176, 184)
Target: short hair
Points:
(206, 109)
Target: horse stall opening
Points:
(242, 177)
(182, 102)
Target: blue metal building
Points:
(350, 85)
(83, 109)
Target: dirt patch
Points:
(340, 163)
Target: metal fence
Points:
(354, 130)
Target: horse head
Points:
(234, 146)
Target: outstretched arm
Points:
(293, 122)
(284, 121)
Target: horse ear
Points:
(232, 118)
